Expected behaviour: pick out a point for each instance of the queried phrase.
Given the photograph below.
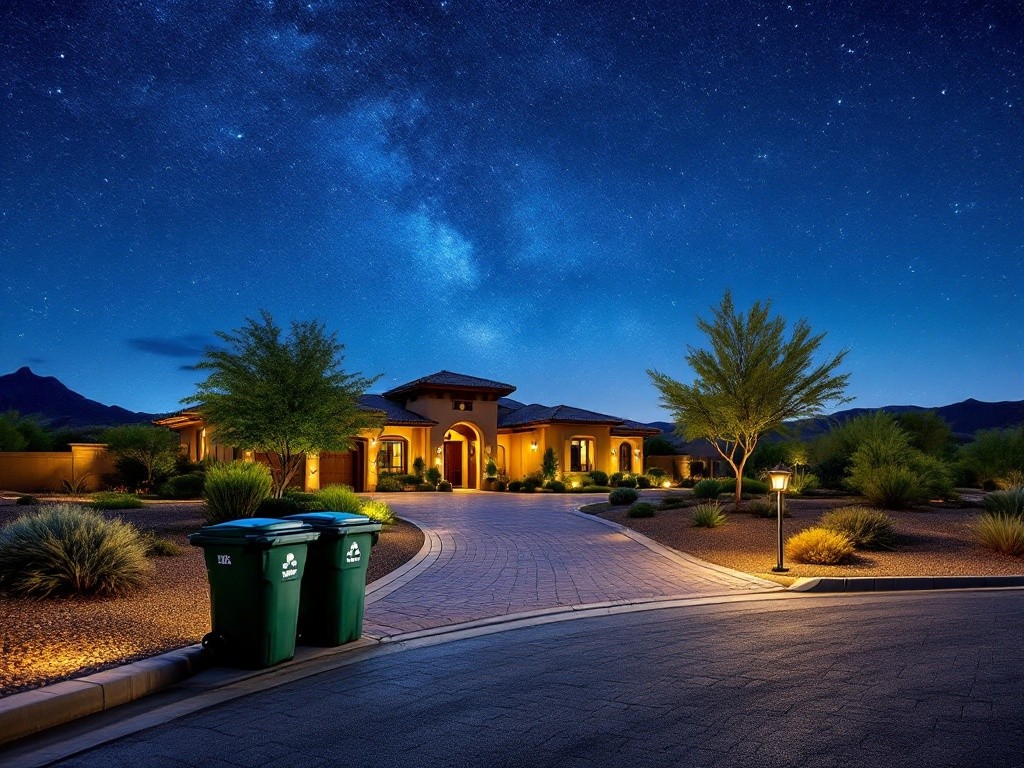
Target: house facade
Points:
(456, 423)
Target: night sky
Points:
(546, 194)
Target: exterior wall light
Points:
(667, 484)
(636, 452)
(533, 445)
(778, 480)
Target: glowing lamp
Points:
(778, 479)
(533, 445)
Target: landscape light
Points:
(778, 479)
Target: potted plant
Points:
(490, 474)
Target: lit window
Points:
(391, 457)
(581, 454)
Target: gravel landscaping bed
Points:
(934, 541)
(45, 641)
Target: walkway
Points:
(499, 554)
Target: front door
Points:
(453, 462)
(625, 458)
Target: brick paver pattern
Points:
(507, 553)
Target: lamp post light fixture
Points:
(778, 479)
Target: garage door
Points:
(341, 468)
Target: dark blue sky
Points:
(542, 193)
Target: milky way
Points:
(539, 193)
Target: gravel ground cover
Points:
(45, 641)
(934, 541)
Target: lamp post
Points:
(779, 480)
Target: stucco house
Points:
(455, 422)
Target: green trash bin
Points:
(334, 587)
(255, 567)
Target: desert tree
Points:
(749, 380)
(154, 448)
(282, 396)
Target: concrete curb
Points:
(901, 583)
(420, 562)
(23, 714)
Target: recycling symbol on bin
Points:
(353, 554)
(290, 567)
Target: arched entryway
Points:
(461, 455)
(625, 457)
(345, 467)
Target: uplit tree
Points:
(154, 448)
(749, 381)
(549, 465)
(284, 397)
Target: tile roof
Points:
(393, 413)
(448, 379)
(539, 414)
(628, 426)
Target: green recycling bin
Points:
(255, 567)
(334, 587)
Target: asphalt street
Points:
(896, 679)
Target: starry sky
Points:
(543, 193)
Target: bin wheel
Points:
(213, 645)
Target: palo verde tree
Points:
(155, 448)
(749, 381)
(285, 397)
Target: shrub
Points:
(707, 489)
(591, 489)
(339, 498)
(687, 482)
(642, 509)
(657, 475)
(429, 487)
(69, 549)
(819, 546)
(642, 481)
(622, 480)
(577, 480)
(389, 484)
(419, 468)
(491, 469)
(674, 502)
(763, 508)
(24, 501)
(377, 510)
(188, 486)
(160, 547)
(1009, 502)
(1014, 478)
(234, 490)
(750, 485)
(549, 465)
(530, 484)
(515, 486)
(444, 486)
(434, 476)
(1001, 533)
(865, 528)
(556, 485)
(501, 485)
(278, 507)
(116, 501)
(598, 477)
(708, 515)
(891, 487)
(622, 496)
(803, 482)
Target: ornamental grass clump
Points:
(234, 490)
(378, 511)
(116, 501)
(68, 549)
(1001, 533)
(708, 515)
(1009, 502)
(865, 527)
(819, 546)
(340, 498)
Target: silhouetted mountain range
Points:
(964, 418)
(59, 407)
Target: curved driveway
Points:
(499, 554)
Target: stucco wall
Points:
(40, 471)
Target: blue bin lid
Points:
(254, 526)
(330, 519)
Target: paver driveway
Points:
(499, 554)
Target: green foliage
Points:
(994, 453)
(707, 489)
(803, 482)
(674, 502)
(434, 476)
(708, 515)
(282, 396)
(577, 479)
(598, 477)
(928, 433)
(377, 510)
(389, 484)
(65, 549)
(23, 433)
(490, 468)
(292, 503)
(819, 546)
(659, 445)
(763, 508)
(657, 475)
(157, 546)
(750, 485)
(549, 465)
(1001, 533)
(622, 480)
(749, 381)
(188, 486)
(339, 498)
(769, 454)
(622, 496)
(26, 501)
(116, 501)
(501, 485)
(865, 528)
(642, 481)
(530, 484)
(234, 490)
(515, 486)
(444, 486)
(592, 489)
(154, 448)
(1009, 502)
(419, 468)
(642, 509)
(557, 486)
